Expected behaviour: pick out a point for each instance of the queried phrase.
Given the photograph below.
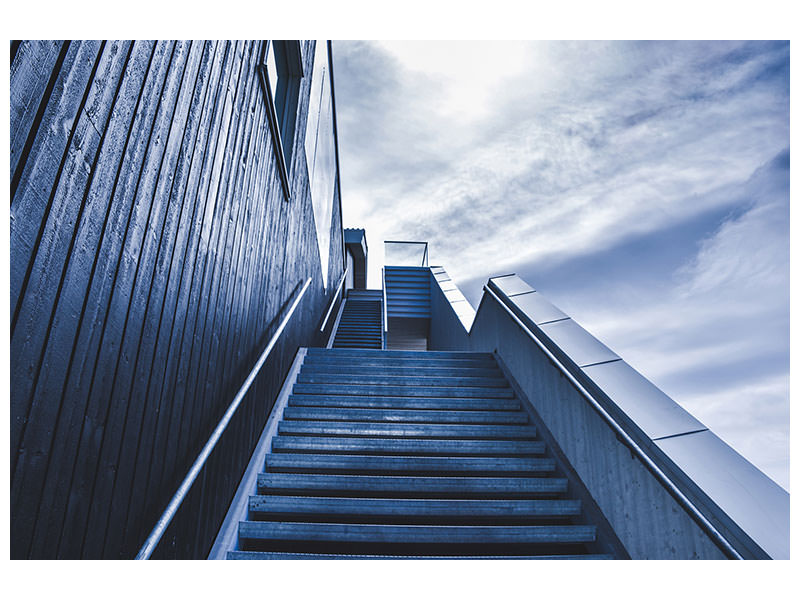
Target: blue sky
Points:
(642, 187)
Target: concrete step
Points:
(409, 486)
(365, 464)
(383, 371)
(464, 417)
(407, 430)
(253, 555)
(417, 534)
(402, 390)
(400, 402)
(376, 344)
(388, 362)
(401, 354)
(429, 447)
(370, 378)
(273, 507)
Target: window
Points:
(320, 148)
(280, 72)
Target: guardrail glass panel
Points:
(405, 254)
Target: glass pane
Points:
(272, 70)
(321, 152)
(405, 254)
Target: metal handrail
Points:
(628, 440)
(161, 526)
(333, 300)
(385, 311)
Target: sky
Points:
(643, 188)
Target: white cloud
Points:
(502, 155)
(727, 313)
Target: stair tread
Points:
(369, 378)
(402, 402)
(318, 462)
(379, 361)
(402, 390)
(461, 486)
(407, 446)
(405, 415)
(413, 506)
(254, 555)
(377, 429)
(403, 353)
(348, 369)
(418, 534)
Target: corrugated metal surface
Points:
(408, 292)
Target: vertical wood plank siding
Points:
(153, 254)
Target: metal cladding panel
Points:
(454, 295)
(756, 503)
(655, 413)
(447, 285)
(461, 307)
(538, 308)
(464, 312)
(511, 285)
(577, 343)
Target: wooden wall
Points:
(153, 254)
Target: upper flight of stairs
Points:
(408, 292)
(398, 454)
(361, 321)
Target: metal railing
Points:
(651, 466)
(408, 254)
(333, 301)
(161, 526)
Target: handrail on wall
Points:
(161, 526)
(385, 311)
(687, 504)
(332, 303)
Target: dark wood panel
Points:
(30, 205)
(32, 336)
(126, 309)
(48, 409)
(153, 255)
(85, 352)
(123, 429)
(34, 69)
(138, 443)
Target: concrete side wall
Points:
(645, 517)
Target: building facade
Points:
(168, 201)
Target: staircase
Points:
(361, 322)
(408, 292)
(398, 454)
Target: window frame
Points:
(283, 126)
